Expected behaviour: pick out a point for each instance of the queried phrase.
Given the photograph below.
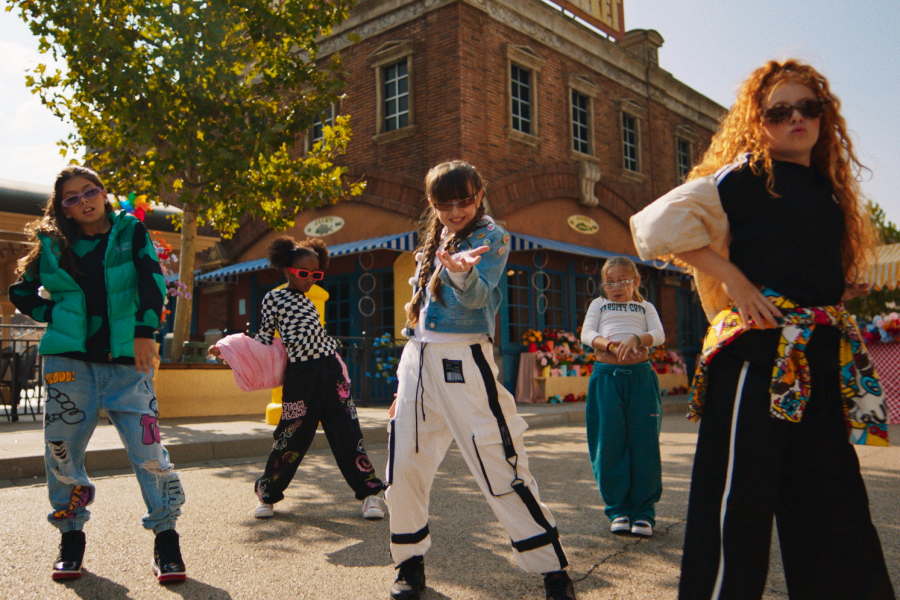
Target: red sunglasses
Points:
(304, 274)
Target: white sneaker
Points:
(620, 525)
(264, 511)
(642, 528)
(373, 508)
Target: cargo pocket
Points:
(499, 471)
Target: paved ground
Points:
(318, 546)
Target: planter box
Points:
(204, 390)
(667, 381)
(562, 386)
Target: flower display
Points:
(883, 329)
(385, 364)
(531, 337)
(667, 361)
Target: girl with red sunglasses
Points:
(316, 386)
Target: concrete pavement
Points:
(318, 547)
(197, 439)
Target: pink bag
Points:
(255, 365)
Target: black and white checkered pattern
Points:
(297, 321)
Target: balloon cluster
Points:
(135, 205)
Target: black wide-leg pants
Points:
(316, 391)
(750, 467)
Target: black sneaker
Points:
(71, 554)
(411, 579)
(558, 586)
(167, 563)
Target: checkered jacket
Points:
(297, 321)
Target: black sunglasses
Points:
(808, 109)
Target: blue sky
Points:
(711, 45)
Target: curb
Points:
(236, 447)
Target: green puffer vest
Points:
(67, 332)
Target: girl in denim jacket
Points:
(449, 390)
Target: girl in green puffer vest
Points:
(106, 292)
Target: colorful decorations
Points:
(135, 205)
(667, 361)
(561, 352)
(385, 365)
(881, 330)
(557, 399)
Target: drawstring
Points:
(420, 388)
(622, 371)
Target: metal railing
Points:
(362, 359)
(21, 389)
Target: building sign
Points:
(606, 15)
(323, 226)
(583, 224)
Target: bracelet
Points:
(608, 346)
(638, 338)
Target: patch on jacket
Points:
(453, 371)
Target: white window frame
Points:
(688, 136)
(582, 85)
(526, 59)
(638, 113)
(321, 124)
(388, 55)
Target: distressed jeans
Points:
(76, 392)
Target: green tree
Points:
(200, 101)
(877, 302)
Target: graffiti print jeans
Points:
(316, 391)
(76, 392)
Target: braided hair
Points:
(446, 182)
(284, 250)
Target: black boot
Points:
(167, 563)
(558, 586)
(410, 580)
(71, 553)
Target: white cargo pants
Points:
(447, 392)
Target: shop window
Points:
(586, 290)
(555, 314)
(338, 306)
(519, 300)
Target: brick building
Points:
(574, 131)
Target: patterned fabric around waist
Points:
(865, 409)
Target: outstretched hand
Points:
(462, 262)
(213, 351)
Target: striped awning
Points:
(886, 271)
(520, 241)
(403, 242)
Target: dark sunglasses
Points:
(304, 274)
(808, 109)
(69, 201)
(445, 206)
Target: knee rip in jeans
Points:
(60, 453)
(153, 466)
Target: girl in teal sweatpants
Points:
(623, 412)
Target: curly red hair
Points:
(741, 133)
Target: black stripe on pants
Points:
(315, 391)
(753, 467)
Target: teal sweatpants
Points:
(623, 417)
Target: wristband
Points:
(608, 346)
(638, 338)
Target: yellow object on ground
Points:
(319, 296)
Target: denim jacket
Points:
(472, 309)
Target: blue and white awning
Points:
(402, 242)
(519, 241)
